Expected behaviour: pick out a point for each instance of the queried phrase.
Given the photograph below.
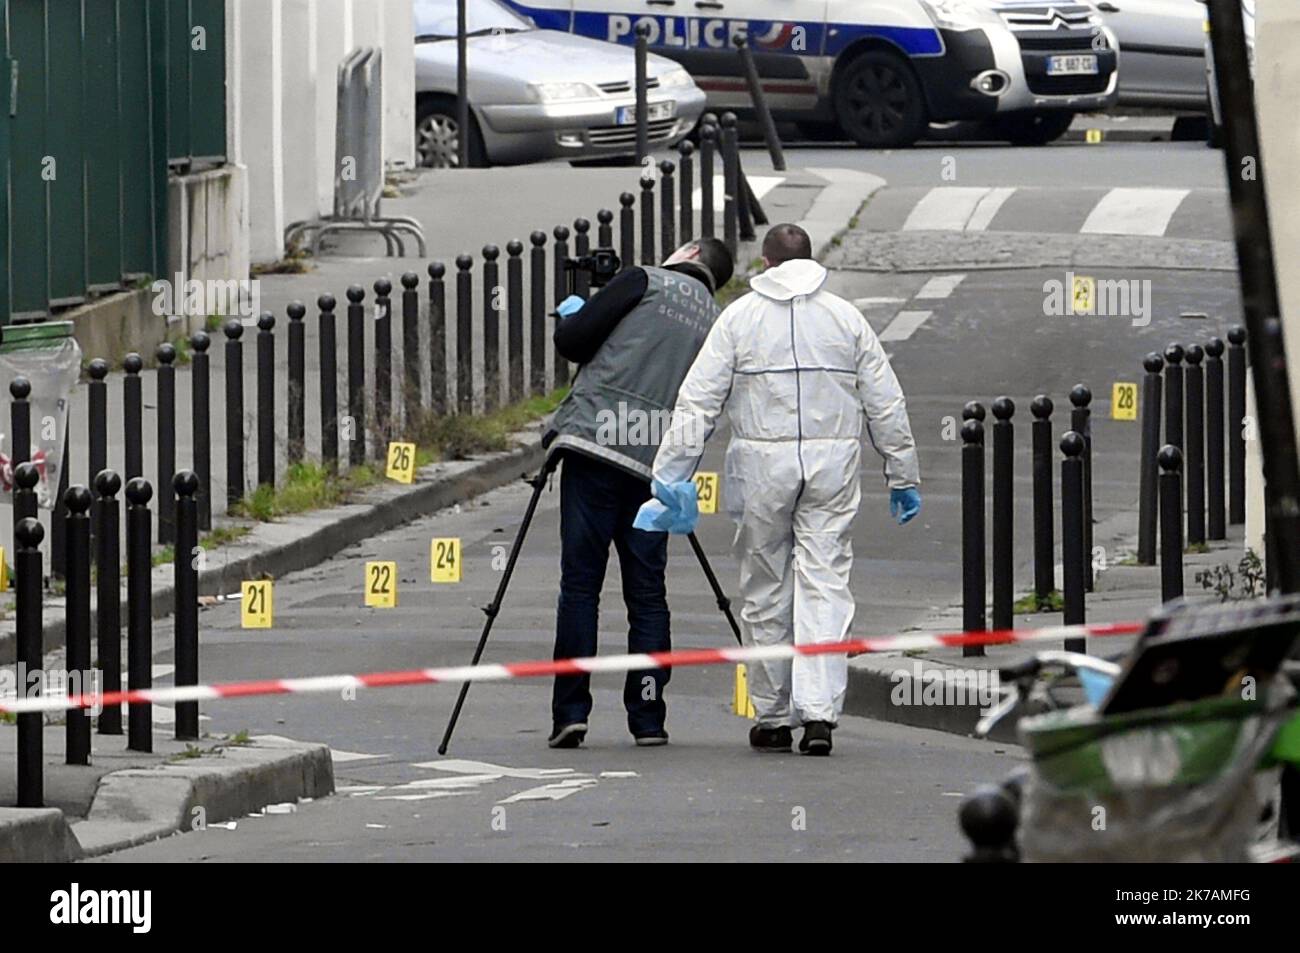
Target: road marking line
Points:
(861, 303)
(460, 766)
(1126, 211)
(987, 208)
(551, 792)
(904, 325)
(940, 286)
(339, 756)
(944, 209)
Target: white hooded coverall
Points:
(797, 369)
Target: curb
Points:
(299, 542)
(38, 835)
(138, 805)
(1118, 135)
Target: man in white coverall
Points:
(798, 370)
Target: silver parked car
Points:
(537, 94)
(1161, 52)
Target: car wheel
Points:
(1033, 129)
(878, 101)
(437, 138)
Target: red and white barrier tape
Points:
(576, 666)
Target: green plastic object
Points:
(34, 337)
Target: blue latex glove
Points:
(674, 509)
(570, 305)
(1095, 686)
(904, 504)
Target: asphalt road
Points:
(888, 793)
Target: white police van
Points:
(879, 70)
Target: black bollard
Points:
(166, 383)
(648, 220)
(329, 384)
(200, 422)
(1194, 458)
(108, 595)
(1174, 355)
(708, 145)
(412, 388)
(559, 277)
(627, 229)
(464, 334)
(686, 187)
(59, 514)
(560, 369)
(356, 429)
(750, 71)
(973, 410)
(132, 415)
(537, 314)
(139, 614)
(76, 528)
(581, 249)
(1216, 523)
(491, 329)
(972, 532)
(264, 409)
(20, 417)
(234, 330)
(28, 579)
(1003, 513)
(438, 402)
(383, 368)
(604, 229)
(1236, 426)
(1044, 531)
(1171, 523)
(1081, 423)
(730, 183)
(186, 632)
(97, 421)
(296, 437)
(515, 321)
(1148, 481)
(667, 208)
(1074, 554)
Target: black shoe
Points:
(568, 736)
(770, 739)
(651, 739)
(816, 738)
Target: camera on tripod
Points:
(599, 267)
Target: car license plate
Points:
(1079, 65)
(626, 115)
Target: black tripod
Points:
(538, 483)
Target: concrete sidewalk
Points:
(124, 798)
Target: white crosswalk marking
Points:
(1134, 212)
(760, 184)
(956, 209)
(940, 286)
(904, 325)
(987, 208)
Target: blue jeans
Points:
(597, 505)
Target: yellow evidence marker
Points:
(1124, 401)
(444, 559)
(401, 462)
(1093, 136)
(256, 604)
(381, 585)
(4, 571)
(706, 491)
(741, 704)
(1085, 294)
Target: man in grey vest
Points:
(634, 341)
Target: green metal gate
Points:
(103, 97)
